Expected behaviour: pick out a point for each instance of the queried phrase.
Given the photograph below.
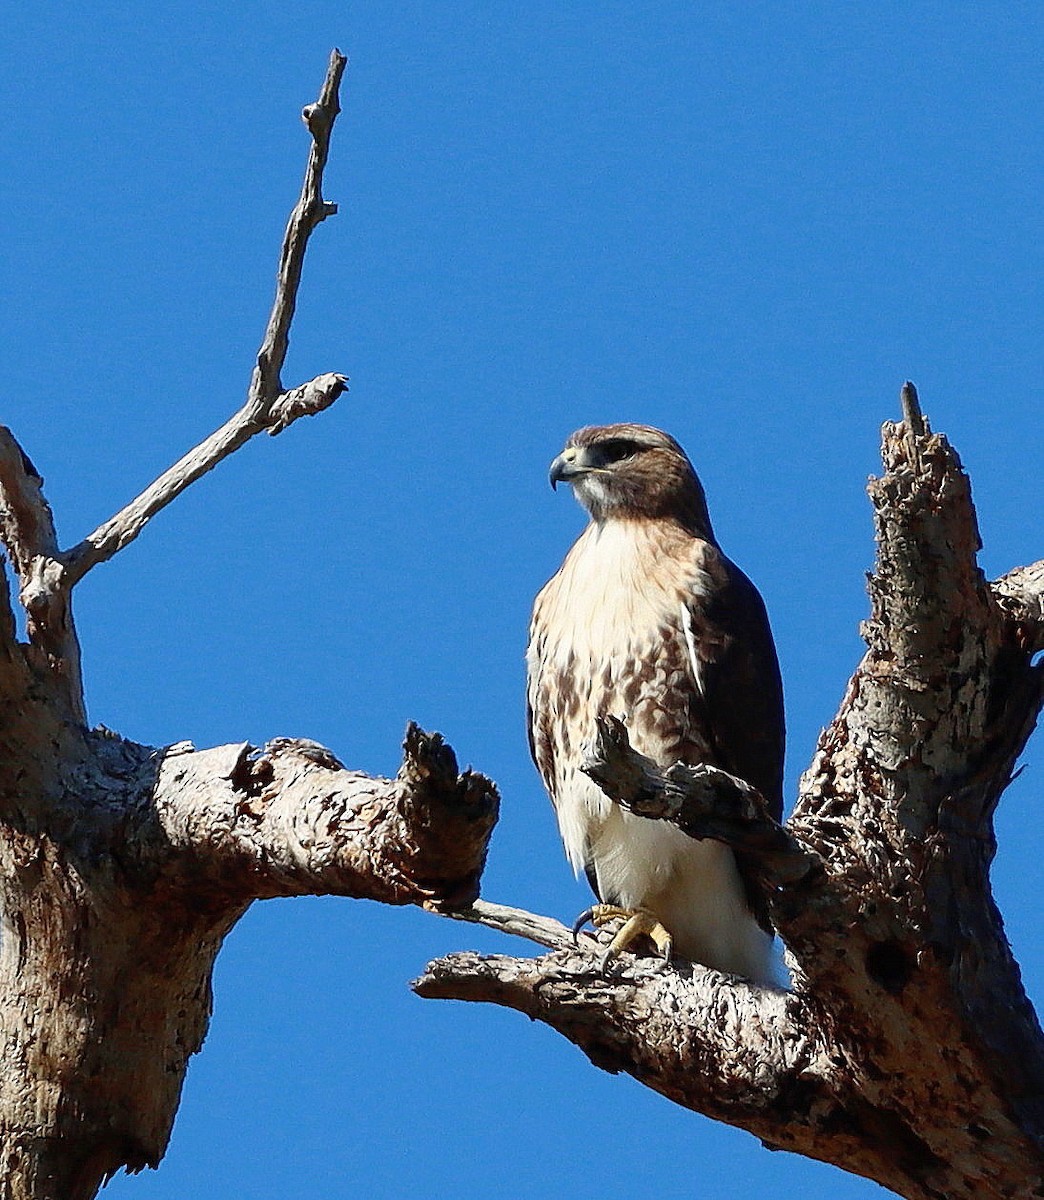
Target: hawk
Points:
(648, 621)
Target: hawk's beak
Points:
(566, 467)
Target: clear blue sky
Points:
(745, 223)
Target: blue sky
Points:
(744, 223)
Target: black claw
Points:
(580, 922)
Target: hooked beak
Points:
(566, 467)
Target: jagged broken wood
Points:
(907, 1050)
(125, 867)
(703, 801)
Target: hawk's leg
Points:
(637, 922)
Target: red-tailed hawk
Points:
(647, 620)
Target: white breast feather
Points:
(607, 607)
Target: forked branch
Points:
(266, 407)
(46, 574)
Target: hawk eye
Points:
(616, 449)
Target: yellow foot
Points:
(637, 922)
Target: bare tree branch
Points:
(108, 539)
(27, 530)
(748, 1056)
(267, 407)
(309, 211)
(1020, 594)
(703, 801)
(290, 820)
(519, 923)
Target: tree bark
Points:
(123, 867)
(906, 1049)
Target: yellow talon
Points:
(637, 922)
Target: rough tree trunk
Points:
(906, 1050)
(123, 869)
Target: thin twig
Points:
(267, 406)
(309, 211)
(516, 921)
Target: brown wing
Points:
(740, 682)
(739, 693)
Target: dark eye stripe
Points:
(618, 448)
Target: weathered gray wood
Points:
(123, 868)
(519, 923)
(907, 1051)
(267, 406)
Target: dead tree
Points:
(123, 867)
(906, 1050)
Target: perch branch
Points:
(267, 406)
(748, 1056)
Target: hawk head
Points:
(632, 473)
